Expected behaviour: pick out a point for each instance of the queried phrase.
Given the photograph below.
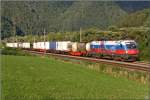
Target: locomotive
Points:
(119, 50)
(124, 50)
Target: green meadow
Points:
(43, 78)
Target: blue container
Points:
(52, 45)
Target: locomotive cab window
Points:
(131, 45)
(120, 46)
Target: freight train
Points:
(124, 50)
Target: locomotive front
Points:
(131, 49)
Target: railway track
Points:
(141, 66)
(142, 63)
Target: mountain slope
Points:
(137, 19)
(26, 17)
(30, 17)
(91, 14)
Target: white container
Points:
(9, 44)
(74, 47)
(38, 45)
(63, 45)
(26, 45)
(88, 48)
(66, 46)
(34, 45)
(47, 45)
(41, 45)
(14, 45)
(44, 45)
(20, 45)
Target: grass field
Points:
(37, 78)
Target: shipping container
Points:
(88, 47)
(39, 45)
(14, 45)
(63, 46)
(9, 44)
(20, 45)
(53, 45)
(45, 45)
(34, 46)
(76, 47)
(26, 45)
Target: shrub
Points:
(112, 28)
(13, 51)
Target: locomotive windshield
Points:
(131, 45)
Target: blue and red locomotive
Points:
(120, 50)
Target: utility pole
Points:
(16, 38)
(34, 39)
(81, 24)
(44, 42)
(44, 34)
(14, 29)
(80, 34)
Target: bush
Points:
(113, 28)
(13, 51)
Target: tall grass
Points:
(114, 70)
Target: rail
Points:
(141, 66)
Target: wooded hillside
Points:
(31, 17)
